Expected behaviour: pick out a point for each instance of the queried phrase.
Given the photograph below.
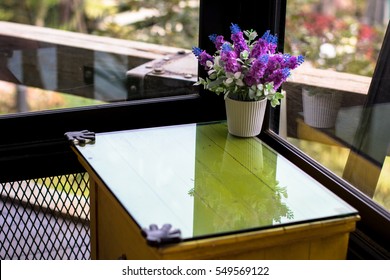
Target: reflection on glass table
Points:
(360, 136)
(356, 148)
(219, 190)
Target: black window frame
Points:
(370, 240)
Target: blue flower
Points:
(301, 59)
(234, 28)
(271, 39)
(218, 40)
(226, 47)
(196, 51)
(229, 57)
(202, 56)
(238, 39)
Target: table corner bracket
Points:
(81, 137)
(156, 236)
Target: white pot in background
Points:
(320, 108)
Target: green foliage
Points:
(175, 25)
(35, 12)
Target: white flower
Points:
(228, 81)
(327, 51)
(209, 64)
(240, 83)
(237, 75)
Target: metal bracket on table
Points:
(160, 236)
(80, 137)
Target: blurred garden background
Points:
(343, 35)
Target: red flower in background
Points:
(366, 36)
(366, 32)
(317, 23)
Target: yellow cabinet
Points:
(231, 198)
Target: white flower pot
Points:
(320, 109)
(245, 118)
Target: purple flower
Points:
(267, 44)
(275, 62)
(218, 40)
(229, 57)
(272, 41)
(202, 56)
(260, 48)
(278, 77)
(252, 61)
(256, 71)
(293, 62)
(238, 39)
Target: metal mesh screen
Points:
(45, 218)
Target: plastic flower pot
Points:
(245, 118)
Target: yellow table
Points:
(231, 198)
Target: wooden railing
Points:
(302, 76)
(82, 41)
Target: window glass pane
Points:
(61, 54)
(337, 104)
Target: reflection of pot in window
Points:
(320, 106)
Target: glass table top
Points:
(205, 182)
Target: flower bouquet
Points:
(246, 69)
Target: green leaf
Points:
(274, 102)
(213, 75)
(244, 55)
(251, 94)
